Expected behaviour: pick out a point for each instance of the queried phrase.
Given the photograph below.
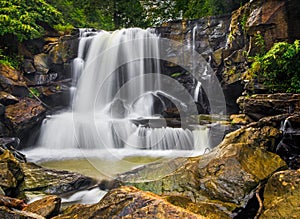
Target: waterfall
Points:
(116, 77)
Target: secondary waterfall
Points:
(116, 79)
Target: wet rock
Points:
(53, 182)
(262, 105)
(12, 81)
(240, 119)
(55, 95)
(10, 144)
(28, 67)
(47, 207)
(41, 63)
(282, 195)
(225, 177)
(1, 191)
(7, 99)
(24, 116)
(41, 79)
(11, 202)
(128, 202)
(11, 174)
(17, 214)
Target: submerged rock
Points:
(282, 195)
(128, 202)
(53, 182)
(223, 179)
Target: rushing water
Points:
(116, 77)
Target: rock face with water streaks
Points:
(128, 202)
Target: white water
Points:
(109, 89)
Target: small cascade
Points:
(116, 78)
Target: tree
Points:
(26, 19)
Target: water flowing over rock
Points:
(128, 202)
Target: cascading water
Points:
(116, 77)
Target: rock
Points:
(7, 99)
(263, 105)
(24, 116)
(128, 202)
(28, 67)
(10, 144)
(282, 195)
(11, 202)
(1, 191)
(41, 63)
(224, 178)
(12, 81)
(2, 110)
(48, 206)
(11, 174)
(41, 79)
(55, 95)
(16, 214)
(52, 182)
(240, 119)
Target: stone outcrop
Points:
(128, 202)
(39, 180)
(223, 179)
(282, 195)
(262, 105)
(11, 175)
(46, 207)
(24, 117)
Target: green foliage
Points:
(201, 8)
(175, 75)
(24, 19)
(13, 61)
(279, 68)
(33, 92)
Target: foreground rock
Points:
(128, 202)
(221, 181)
(39, 180)
(282, 195)
(46, 207)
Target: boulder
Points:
(282, 195)
(223, 179)
(262, 105)
(11, 202)
(7, 99)
(52, 182)
(12, 81)
(128, 202)
(17, 214)
(27, 66)
(10, 144)
(41, 63)
(24, 116)
(46, 207)
(11, 174)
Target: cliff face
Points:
(226, 41)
